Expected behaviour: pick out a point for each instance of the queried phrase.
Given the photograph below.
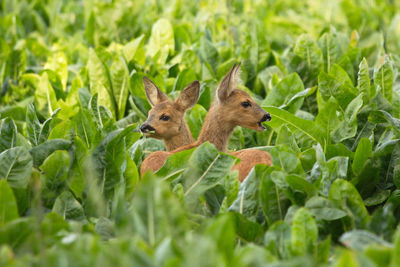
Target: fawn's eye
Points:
(164, 117)
(246, 104)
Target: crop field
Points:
(72, 101)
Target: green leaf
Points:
(346, 197)
(8, 134)
(134, 50)
(278, 239)
(308, 128)
(109, 159)
(68, 207)
(363, 152)
(304, 233)
(161, 40)
(348, 127)
(8, 204)
(206, 168)
(247, 202)
(297, 182)
(247, 230)
(157, 212)
(55, 172)
(336, 84)
(33, 126)
(16, 166)
(324, 209)
(41, 152)
(307, 49)
(327, 117)
(100, 83)
(384, 76)
(274, 203)
(120, 84)
(45, 96)
(359, 239)
(363, 81)
(209, 54)
(195, 118)
(280, 94)
(16, 232)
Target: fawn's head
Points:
(237, 106)
(166, 118)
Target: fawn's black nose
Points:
(146, 128)
(267, 117)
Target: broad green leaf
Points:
(348, 127)
(156, 212)
(363, 81)
(55, 172)
(363, 152)
(68, 207)
(274, 202)
(58, 63)
(324, 209)
(8, 204)
(336, 84)
(16, 166)
(100, 82)
(131, 176)
(41, 152)
(45, 96)
(120, 84)
(297, 182)
(134, 50)
(247, 230)
(195, 118)
(278, 239)
(383, 76)
(307, 49)
(394, 122)
(206, 168)
(247, 202)
(110, 159)
(346, 197)
(16, 232)
(33, 126)
(327, 118)
(8, 134)
(161, 40)
(304, 233)
(331, 49)
(309, 128)
(358, 239)
(280, 95)
(209, 54)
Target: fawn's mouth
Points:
(266, 117)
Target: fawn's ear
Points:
(154, 95)
(188, 97)
(229, 83)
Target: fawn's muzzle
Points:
(145, 128)
(267, 117)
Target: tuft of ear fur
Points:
(228, 83)
(188, 96)
(154, 95)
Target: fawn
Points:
(166, 118)
(233, 107)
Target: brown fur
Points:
(224, 115)
(248, 159)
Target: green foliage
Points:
(72, 101)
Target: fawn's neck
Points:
(216, 129)
(183, 138)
